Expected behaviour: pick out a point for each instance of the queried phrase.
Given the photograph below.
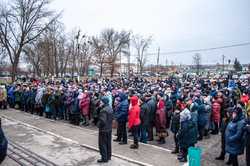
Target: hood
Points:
(239, 111)
(185, 115)
(134, 100)
(105, 100)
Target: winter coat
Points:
(247, 130)
(169, 108)
(152, 107)
(17, 95)
(216, 111)
(160, 117)
(3, 144)
(187, 134)
(50, 104)
(144, 115)
(234, 136)
(175, 122)
(3, 94)
(244, 99)
(10, 93)
(84, 105)
(121, 113)
(105, 119)
(24, 96)
(134, 113)
(202, 115)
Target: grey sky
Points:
(175, 25)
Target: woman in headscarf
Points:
(160, 120)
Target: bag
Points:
(194, 156)
(47, 110)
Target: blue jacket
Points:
(234, 136)
(202, 115)
(121, 113)
(10, 92)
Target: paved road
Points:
(61, 137)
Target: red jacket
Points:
(160, 118)
(134, 113)
(84, 105)
(216, 109)
(244, 99)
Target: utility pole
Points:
(223, 63)
(158, 58)
(129, 60)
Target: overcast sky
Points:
(175, 25)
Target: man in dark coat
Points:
(187, 134)
(152, 107)
(121, 115)
(3, 145)
(248, 138)
(105, 130)
(144, 116)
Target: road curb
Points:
(76, 142)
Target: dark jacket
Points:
(247, 130)
(3, 145)
(152, 107)
(121, 113)
(202, 114)
(105, 119)
(145, 115)
(187, 134)
(175, 122)
(234, 136)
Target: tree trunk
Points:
(13, 72)
(112, 70)
(101, 69)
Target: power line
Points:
(202, 50)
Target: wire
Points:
(200, 50)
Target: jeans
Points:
(143, 134)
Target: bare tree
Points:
(197, 62)
(22, 22)
(99, 53)
(141, 45)
(33, 56)
(115, 43)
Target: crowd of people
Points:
(190, 108)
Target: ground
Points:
(64, 144)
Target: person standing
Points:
(134, 120)
(160, 120)
(224, 124)
(144, 116)
(3, 144)
(248, 135)
(187, 134)
(121, 115)
(152, 103)
(105, 130)
(234, 136)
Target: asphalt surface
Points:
(66, 144)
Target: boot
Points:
(221, 157)
(184, 159)
(175, 151)
(134, 146)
